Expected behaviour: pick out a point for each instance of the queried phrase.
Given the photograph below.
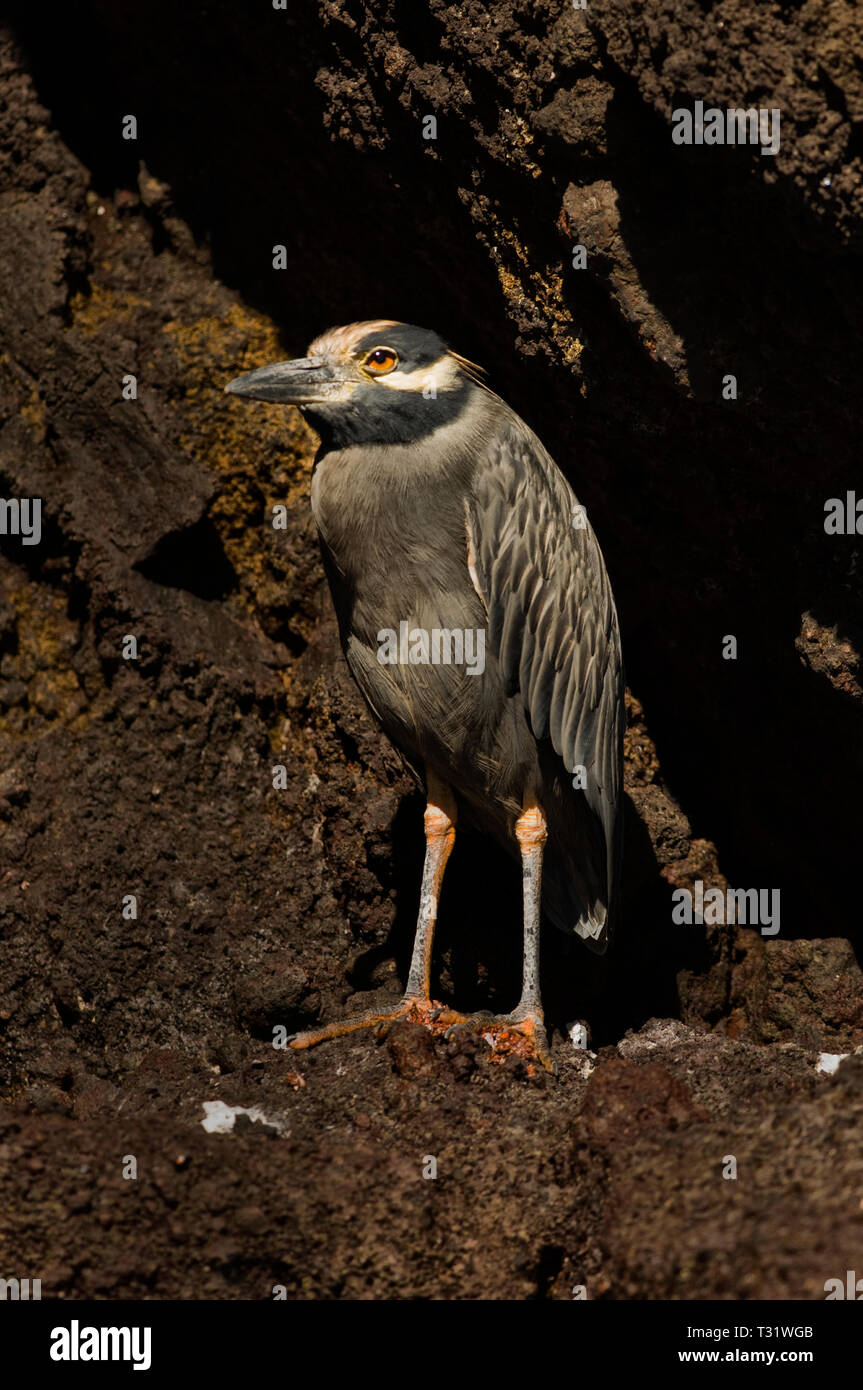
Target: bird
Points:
(477, 618)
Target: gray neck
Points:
(406, 499)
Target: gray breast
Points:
(393, 533)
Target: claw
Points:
(519, 1034)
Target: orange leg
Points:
(531, 832)
(416, 1005)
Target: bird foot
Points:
(521, 1034)
(436, 1017)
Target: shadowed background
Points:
(155, 257)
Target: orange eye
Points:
(381, 361)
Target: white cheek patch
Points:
(440, 376)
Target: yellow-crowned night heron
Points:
(477, 618)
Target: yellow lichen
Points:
(91, 312)
(33, 414)
(42, 661)
(263, 454)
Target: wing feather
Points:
(553, 626)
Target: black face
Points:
(416, 347)
(409, 385)
(393, 383)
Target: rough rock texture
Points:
(262, 906)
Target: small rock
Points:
(412, 1050)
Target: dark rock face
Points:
(261, 905)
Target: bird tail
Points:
(571, 906)
(580, 872)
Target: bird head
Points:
(374, 382)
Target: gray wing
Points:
(553, 626)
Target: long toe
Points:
(474, 1022)
(436, 1017)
